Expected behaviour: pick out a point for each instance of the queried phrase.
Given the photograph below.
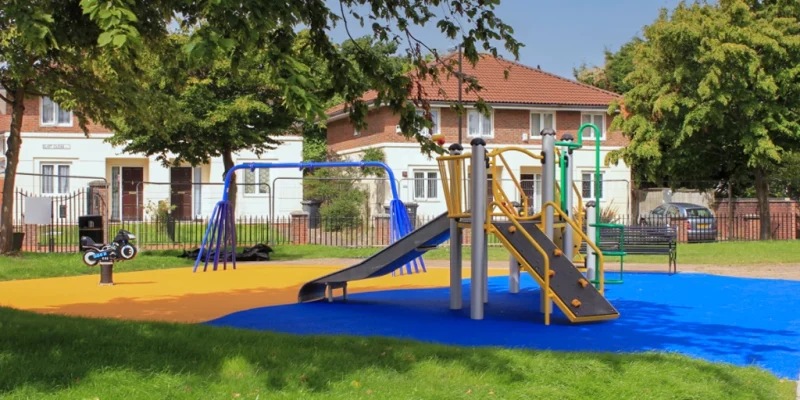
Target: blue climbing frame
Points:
(221, 231)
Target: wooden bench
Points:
(643, 240)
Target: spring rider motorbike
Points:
(120, 249)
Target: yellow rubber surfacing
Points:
(178, 295)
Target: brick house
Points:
(522, 105)
(58, 159)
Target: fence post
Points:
(299, 227)
(383, 229)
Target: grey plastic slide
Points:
(384, 262)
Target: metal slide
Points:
(580, 302)
(413, 245)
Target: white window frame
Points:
(426, 183)
(56, 164)
(602, 126)
(482, 135)
(437, 121)
(56, 109)
(536, 135)
(257, 172)
(591, 187)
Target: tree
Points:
(715, 96)
(611, 76)
(50, 48)
(212, 110)
(239, 28)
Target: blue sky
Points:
(558, 34)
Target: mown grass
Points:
(56, 357)
(44, 265)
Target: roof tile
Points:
(525, 85)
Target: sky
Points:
(558, 35)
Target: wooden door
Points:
(181, 192)
(132, 193)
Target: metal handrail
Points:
(600, 258)
(546, 278)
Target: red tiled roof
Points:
(525, 85)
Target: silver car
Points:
(701, 224)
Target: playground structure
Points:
(546, 244)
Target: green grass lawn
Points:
(55, 357)
(42, 265)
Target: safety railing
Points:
(544, 280)
(590, 243)
(454, 171)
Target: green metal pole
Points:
(564, 190)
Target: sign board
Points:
(38, 210)
(56, 146)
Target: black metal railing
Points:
(375, 231)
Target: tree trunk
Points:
(227, 162)
(762, 194)
(12, 161)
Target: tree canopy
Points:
(86, 54)
(611, 76)
(48, 48)
(715, 95)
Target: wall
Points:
(784, 215)
(509, 127)
(91, 159)
(648, 199)
(31, 121)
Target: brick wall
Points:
(509, 125)
(746, 224)
(31, 121)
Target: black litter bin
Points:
(91, 226)
(19, 238)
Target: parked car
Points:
(701, 224)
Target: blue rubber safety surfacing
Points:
(720, 319)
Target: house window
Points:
(426, 185)
(532, 190)
(53, 115)
(599, 119)
(256, 181)
(587, 185)
(435, 118)
(479, 125)
(55, 178)
(541, 120)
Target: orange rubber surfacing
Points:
(178, 295)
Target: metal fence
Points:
(264, 212)
(373, 231)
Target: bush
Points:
(343, 212)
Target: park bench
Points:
(642, 240)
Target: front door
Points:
(181, 192)
(132, 193)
